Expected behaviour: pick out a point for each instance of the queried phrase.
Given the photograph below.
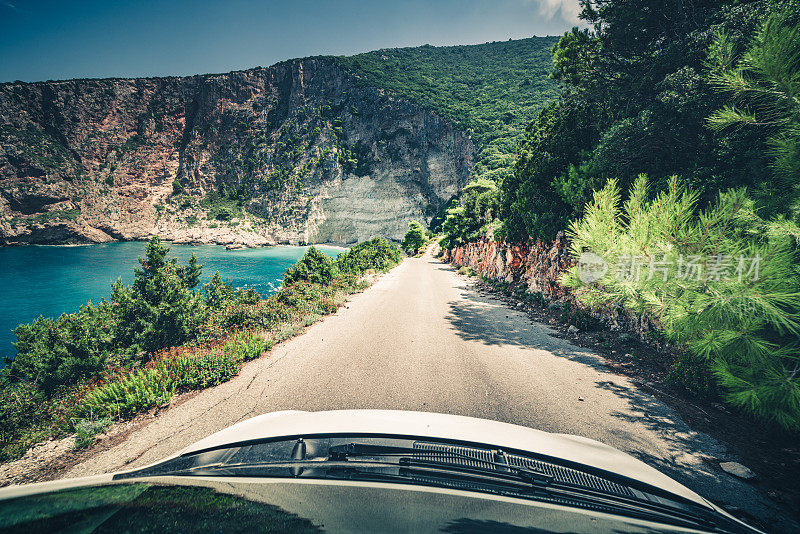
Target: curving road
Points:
(422, 339)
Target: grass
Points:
(87, 429)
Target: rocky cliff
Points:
(297, 152)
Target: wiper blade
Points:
(410, 456)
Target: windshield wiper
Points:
(408, 456)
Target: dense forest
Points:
(492, 90)
(676, 136)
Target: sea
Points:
(51, 280)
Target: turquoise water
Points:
(49, 281)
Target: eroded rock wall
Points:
(538, 267)
(535, 264)
(301, 151)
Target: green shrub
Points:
(299, 295)
(223, 214)
(376, 254)
(244, 346)
(286, 331)
(128, 394)
(206, 371)
(87, 429)
(742, 325)
(311, 318)
(326, 305)
(313, 267)
(414, 239)
(61, 351)
(28, 415)
(160, 309)
(467, 271)
(136, 392)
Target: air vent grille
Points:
(483, 458)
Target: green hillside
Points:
(492, 90)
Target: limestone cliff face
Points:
(297, 152)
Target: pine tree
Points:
(764, 86)
(743, 324)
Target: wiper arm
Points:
(409, 456)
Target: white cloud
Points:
(549, 8)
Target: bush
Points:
(742, 326)
(56, 352)
(128, 394)
(28, 415)
(299, 295)
(313, 267)
(377, 254)
(414, 239)
(206, 371)
(160, 309)
(224, 214)
(87, 429)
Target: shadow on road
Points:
(486, 320)
(645, 410)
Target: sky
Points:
(54, 40)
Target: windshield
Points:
(441, 464)
(244, 505)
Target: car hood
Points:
(564, 447)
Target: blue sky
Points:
(42, 40)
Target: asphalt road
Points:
(422, 339)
